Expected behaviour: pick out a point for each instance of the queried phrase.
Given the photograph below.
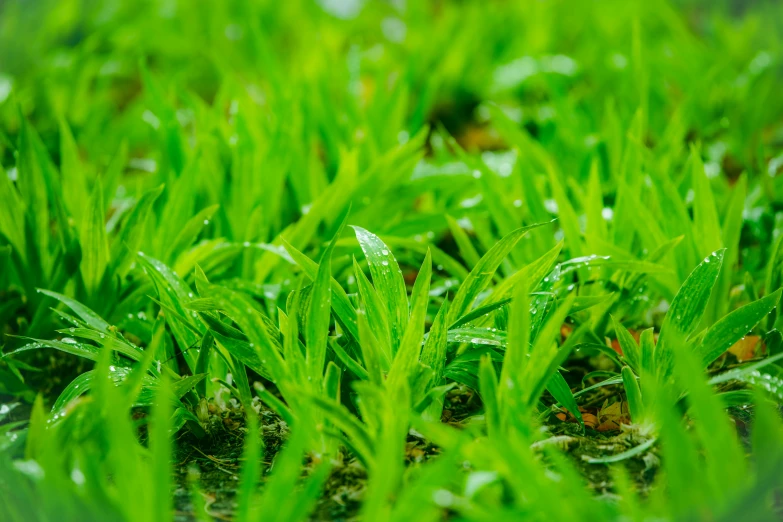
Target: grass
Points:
(391, 261)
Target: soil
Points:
(213, 464)
(210, 466)
(207, 470)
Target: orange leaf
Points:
(747, 348)
(590, 420)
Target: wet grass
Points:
(391, 261)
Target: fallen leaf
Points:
(747, 348)
(480, 138)
(612, 416)
(565, 330)
(590, 420)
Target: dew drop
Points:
(77, 477)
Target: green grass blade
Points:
(160, 449)
(631, 351)
(734, 327)
(95, 246)
(343, 309)
(412, 340)
(317, 327)
(687, 309)
(251, 470)
(488, 384)
(560, 390)
(482, 273)
(376, 313)
(633, 395)
(388, 280)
